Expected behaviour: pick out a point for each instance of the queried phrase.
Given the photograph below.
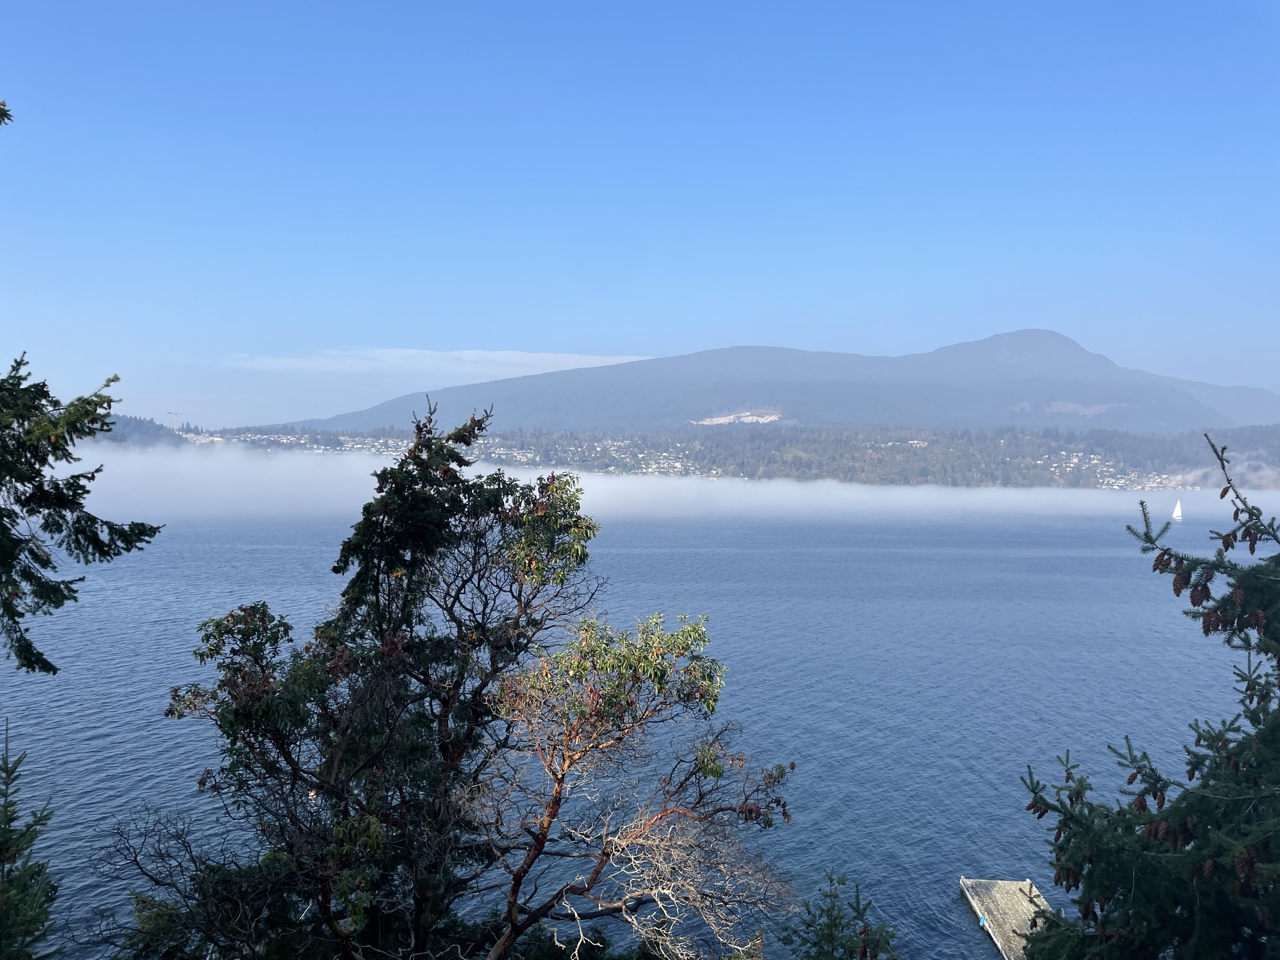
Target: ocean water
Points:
(912, 657)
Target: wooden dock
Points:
(1004, 909)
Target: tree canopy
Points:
(459, 755)
(833, 928)
(41, 511)
(27, 891)
(1185, 867)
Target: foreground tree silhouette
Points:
(455, 743)
(1190, 868)
(41, 512)
(834, 928)
(27, 891)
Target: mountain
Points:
(1028, 378)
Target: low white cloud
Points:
(230, 482)
(693, 498)
(210, 483)
(449, 367)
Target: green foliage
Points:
(838, 929)
(605, 682)
(1185, 869)
(41, 511)
(350, 756)
(654, 821)
(450, 741)
(240, 910)
(27, 892)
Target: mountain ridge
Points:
(1024, 378)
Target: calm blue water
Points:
(911, 665)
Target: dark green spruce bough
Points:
(40, 512)
(838, 929)
(1186, 869)
(26, 890)
(457, 743)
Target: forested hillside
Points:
(961, 458)
(1009, 457)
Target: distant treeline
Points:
(963, 458)
(292, 430)
(1012, 457)
(139, 432)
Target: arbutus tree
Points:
(620, 799)
(370, 768)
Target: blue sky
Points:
(258, 211)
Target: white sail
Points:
(1177, 510)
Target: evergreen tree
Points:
(26, 890)
(1185, 869)
(41, 511)
(838, 929)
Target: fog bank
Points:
(233, 482)
(698, 497)
(209, 482)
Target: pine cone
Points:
(1245, 863)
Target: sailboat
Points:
(1177, 510)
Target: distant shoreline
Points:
(1047, 458)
